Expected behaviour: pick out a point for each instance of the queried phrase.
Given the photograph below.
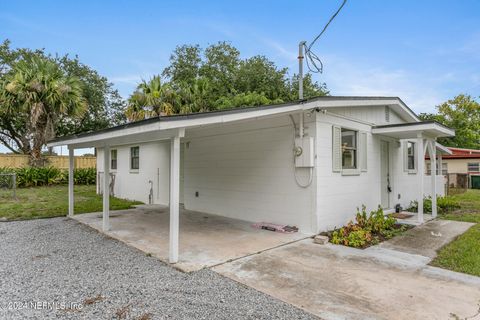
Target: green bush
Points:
(368, 229)
(46, 176)
(444, 204)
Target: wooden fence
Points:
(61, 162)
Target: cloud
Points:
(126, 79)
(422, 92)
(281, 51)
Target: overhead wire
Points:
(314, 63)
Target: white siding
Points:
(154, 166)
(245, 171)
(374, 114)
(339, 195)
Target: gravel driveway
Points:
(61, 261)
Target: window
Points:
(444, 168)
(474, 167)
(410, 155)
(113, 159)
(134, 158)
(349, 149)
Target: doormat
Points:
(401, 215)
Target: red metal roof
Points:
(460, 153)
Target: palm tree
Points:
(37, 89)
(152, 98)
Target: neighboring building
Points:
(460, 166)
(309, 163)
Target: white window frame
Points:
(112, 151)
(134, 170)
(469, 164)
(415, 157)
(356, 170)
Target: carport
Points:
(237, 234)
(206, 240)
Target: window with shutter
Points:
(347, 151)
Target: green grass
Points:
(470, 207)
(48, 202)
(463, 254)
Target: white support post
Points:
(421, 174)
(433, 174)
(106, 188)
(174, 197)
(71, 165)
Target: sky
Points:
(424, 52)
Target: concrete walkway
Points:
(428, 238)
(381, 282)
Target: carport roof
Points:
(167, 126)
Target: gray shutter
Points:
(405, 155)
(363, 151)
(336, 149)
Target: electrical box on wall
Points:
(304, 152)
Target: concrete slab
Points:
(413, 220)
(427, 238)
(205, 240)
(336, 282)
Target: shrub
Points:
(45, 176)
(84, 176)
(368, 229)
(444, 204)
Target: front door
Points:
(385, 174)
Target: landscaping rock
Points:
(320, 239)
(61, 261)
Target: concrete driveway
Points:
(336, 282)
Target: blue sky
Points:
(422, 51)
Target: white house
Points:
(309, 163)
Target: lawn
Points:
(463, 254)
(47, 202)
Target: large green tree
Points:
(104, 108)
(461, 113)
(151, 98)
(217, 78)
(33, 94)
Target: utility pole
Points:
(301, 45)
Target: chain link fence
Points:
(8, 185)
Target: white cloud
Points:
(281, 50)
(133, 79)
(422, 92)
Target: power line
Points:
(314, 64)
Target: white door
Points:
(385, 174)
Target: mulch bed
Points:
(380, 237)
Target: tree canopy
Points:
(216, 78)
(461, 113)
(43, 96)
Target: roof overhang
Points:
(429, 129)
(442, 149)
(162, 128)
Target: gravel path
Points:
(61, 261)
